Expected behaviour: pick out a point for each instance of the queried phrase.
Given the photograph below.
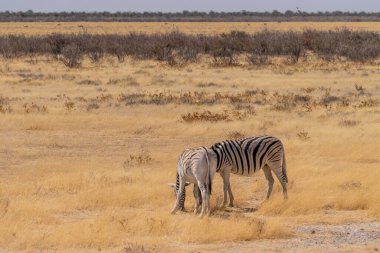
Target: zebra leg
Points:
(180, 192)
(198, 198)
(203, 190)
(230, 193)
(208, 208)
(225, 189)
(282, 178)
(208, 205)
(269, 177)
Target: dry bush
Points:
(34, 108)
(370, 102)
(30, 76)
(205, 116)
(356, 46)
(144, 157)
(210, 84)
(359, 89)
(92, 106)
(69, 105)
(303, 135)
(176, 48)
(103, 97)
(328, 99)
(5, 108)
(258, 59)
(249, 102)
(235, 135)
(289, 101)
(224, 57)
(136, 248)
(349, 123)
(163, 98)
(71, 55)
(293, 46)
(4, 105)
(95, 52)
(89, 82)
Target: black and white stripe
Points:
(249, 155)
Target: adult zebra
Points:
(249, 155)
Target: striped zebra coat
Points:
(249, 155)
(197, 166)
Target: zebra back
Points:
(248, 155)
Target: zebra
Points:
(186, 160)
(197, 166)
(249, 155)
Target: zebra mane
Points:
(216, 145)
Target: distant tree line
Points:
(188, 16)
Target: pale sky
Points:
(180, 5)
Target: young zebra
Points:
(186, 161)
(197, 166)
(246, 156)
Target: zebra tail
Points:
(209, 182)
(284, 166)
(181, 198)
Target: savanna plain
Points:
(86, 154)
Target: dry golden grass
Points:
(163, 27)
(90, 172)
